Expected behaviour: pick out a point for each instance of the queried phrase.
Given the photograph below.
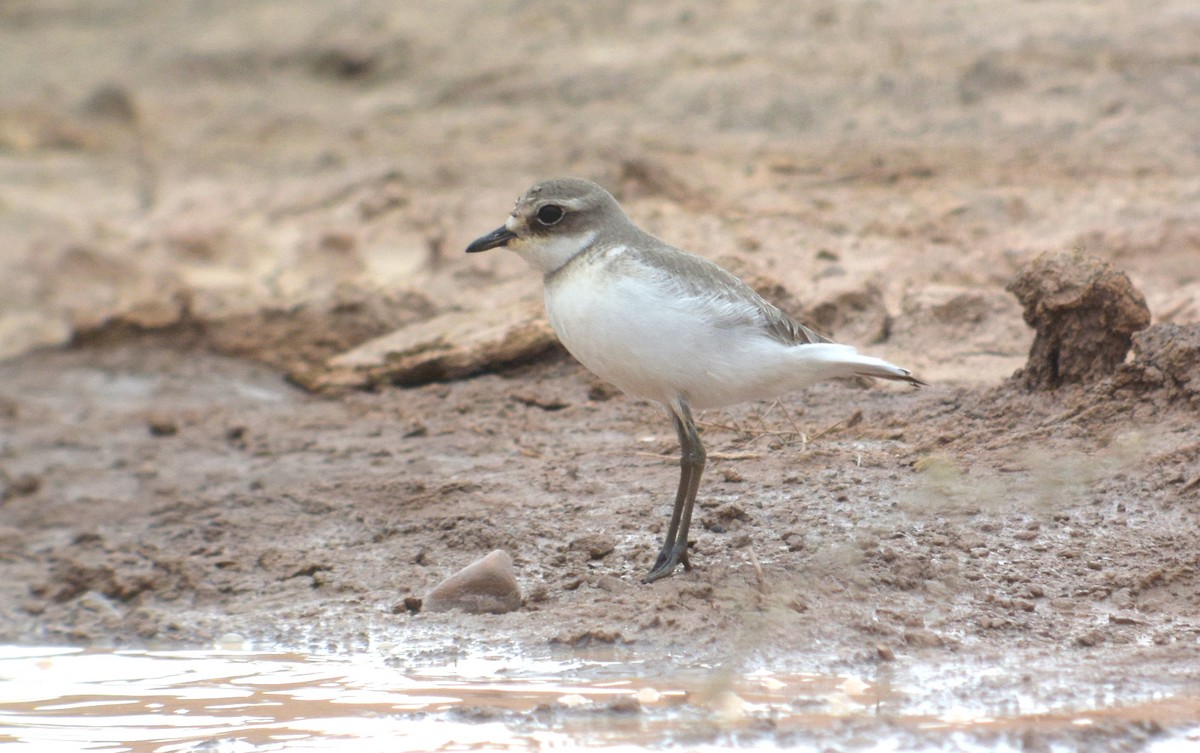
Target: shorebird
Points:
(663, 324)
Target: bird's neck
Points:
(550, 254)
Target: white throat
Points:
(547, 254)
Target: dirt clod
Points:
(725, 517)
(589, 637)
(411, 605)
(162, 426)
(1085, 313)
(596, 545)
(1167, 358)
(21, 486)
(624, 705)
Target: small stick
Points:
(759, 579)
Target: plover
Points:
(663, 324)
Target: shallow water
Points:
(172, 701)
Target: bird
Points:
(663, 324)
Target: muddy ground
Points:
(199, 206)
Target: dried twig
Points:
(759, 579)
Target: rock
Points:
(449, 346)
(1084, 312)
(486, 585)
(232, 642)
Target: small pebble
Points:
(231, 642)
(728, 706)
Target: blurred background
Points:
(283, 179)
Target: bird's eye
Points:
(550, 214)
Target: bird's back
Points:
(662, 323)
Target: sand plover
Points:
(663, 324)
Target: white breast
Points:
(639, 333)
(634, 327)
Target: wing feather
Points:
(735, 302)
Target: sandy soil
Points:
(196, 208)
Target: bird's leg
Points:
(691, 466)
(685, 473)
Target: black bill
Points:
(498, 237)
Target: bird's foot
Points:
(668, 559)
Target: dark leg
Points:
(691, 466)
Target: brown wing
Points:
(702, 278)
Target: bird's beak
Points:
(498, 237)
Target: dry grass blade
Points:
(785, 437)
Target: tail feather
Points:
(842, 360)
(885, 370)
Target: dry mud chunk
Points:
(1167, 357)
(596, 545)
(1085, 313)
(486, 585)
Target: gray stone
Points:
(486, 585)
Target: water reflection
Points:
(168, 702)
